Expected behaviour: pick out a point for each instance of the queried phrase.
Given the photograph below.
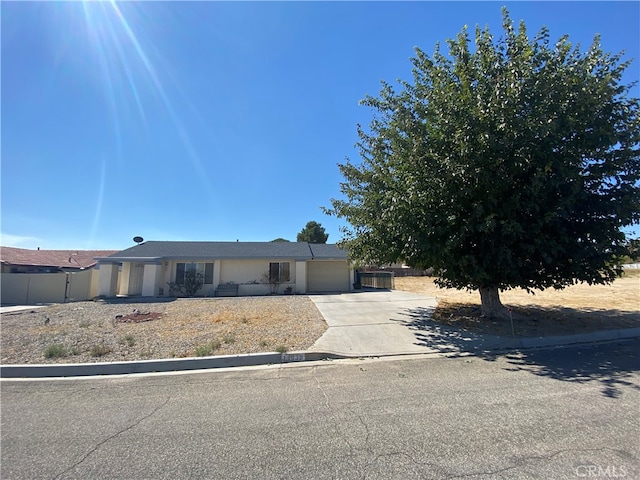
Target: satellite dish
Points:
(138, 240)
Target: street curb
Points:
(163, 365)
(496, 344)
(601, 336)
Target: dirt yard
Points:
(576, 309)
(121, 330)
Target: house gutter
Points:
(128, 259)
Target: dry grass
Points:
(575, 309)
(178, 329)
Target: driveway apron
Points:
(372, 323)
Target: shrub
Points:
(56, 350)
(99, 350)
(208, 349)
(128, 339)
(282, 349)
(193, 282)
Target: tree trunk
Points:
(491, 305)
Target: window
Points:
(204, 269)
(279, 272)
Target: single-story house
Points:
(48, 276)
(149, 268)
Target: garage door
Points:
(328, 277)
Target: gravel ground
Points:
(90, 332)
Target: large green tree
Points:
(506, 163)
(313, 232)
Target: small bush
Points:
(128, 339)
(56, 350)
(263, 343)
(84, 324)
(229, 339)
(192, 283)
(282, 349)
(99, 350)
(208, 349)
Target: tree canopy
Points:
(506, 163)
(279, 239)
(313, 232)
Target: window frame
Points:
(277, 271)
(204, 268)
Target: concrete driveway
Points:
(372, 323)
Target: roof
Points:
(52, 258)
(327, 251)
(229, 250)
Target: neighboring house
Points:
(22, 260)
(48, 276)
(148, 268)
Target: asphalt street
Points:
(554, 413)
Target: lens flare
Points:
(130, 76)
(124, 61)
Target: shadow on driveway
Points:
(446, 339)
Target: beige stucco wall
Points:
(301, 277)
(32, 288)
(243, 271)
(151, 279)
(108, 279)
(79, 286)
(248, 274)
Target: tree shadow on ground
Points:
(444, 338)
(612, 367)
(536, 320)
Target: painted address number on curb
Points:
(293, 357)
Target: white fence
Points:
(33, 288)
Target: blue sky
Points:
(211, 120)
